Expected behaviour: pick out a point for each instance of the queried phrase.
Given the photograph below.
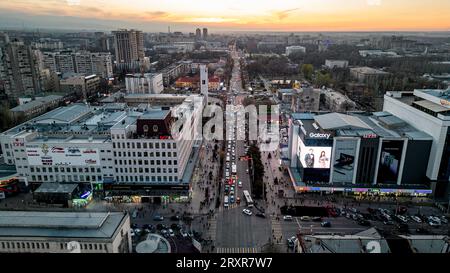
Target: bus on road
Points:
(248, 198)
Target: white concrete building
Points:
(116, 148)
(428, 111)
(204, 82)
(148, 83)
(295, 49)
(64, 232)
(336, 64)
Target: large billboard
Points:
(390, 158)
(56, 155)
(314, 157)
(344, 160)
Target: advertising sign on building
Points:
(344, 160)
(315, 157)
(55, 155)
(390, 159)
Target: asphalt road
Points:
(235, 229)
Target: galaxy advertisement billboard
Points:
(314, 157)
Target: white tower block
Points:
(204, 82)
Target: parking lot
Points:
(352, 220)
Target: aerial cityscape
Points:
(250, 127)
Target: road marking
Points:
(276, 227)
(237, 250)
(212, 230)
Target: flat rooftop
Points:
(368, 70)
(56, 188)
(59, 224)
(383, 124)
(36, 103)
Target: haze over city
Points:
(252, 15)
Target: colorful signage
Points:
(57, 155)
(313, 156)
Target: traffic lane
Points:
(232, 229)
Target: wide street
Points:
(237, 232)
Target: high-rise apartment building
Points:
(205, 33)
(19, 70)
(99, 63)
(129, 45)
(198, 34)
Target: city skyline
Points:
(266, 15)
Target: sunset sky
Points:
(251, 15)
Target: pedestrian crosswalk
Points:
(212, 227)
(231, 206)
(237, 250)
(277, 232)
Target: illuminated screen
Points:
(313, 156)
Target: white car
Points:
(171, 233)
(416, 219)
(183, 233)
(436, 219)
(433, 223)
(137, 231)
(240, 184)
(287, 218)
(247, 212)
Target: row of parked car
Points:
(163, 229)
(386, 216)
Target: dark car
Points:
(262, 215)
(401, 210)
(175, 218)
(364, 223)
(159, 226)
(188, 217)
(403, 227)
(158, 218)
(134, 226)
(422, 231)
(174, 226)
(148, 226)
(325, 224)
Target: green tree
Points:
(307, 71)
(323, 79)
(258, 170)
(6, 119)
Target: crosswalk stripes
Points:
(231, 206)
(211, 233)
(276, 227)
(237, 250)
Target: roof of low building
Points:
(334, 121)
(60, 224)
